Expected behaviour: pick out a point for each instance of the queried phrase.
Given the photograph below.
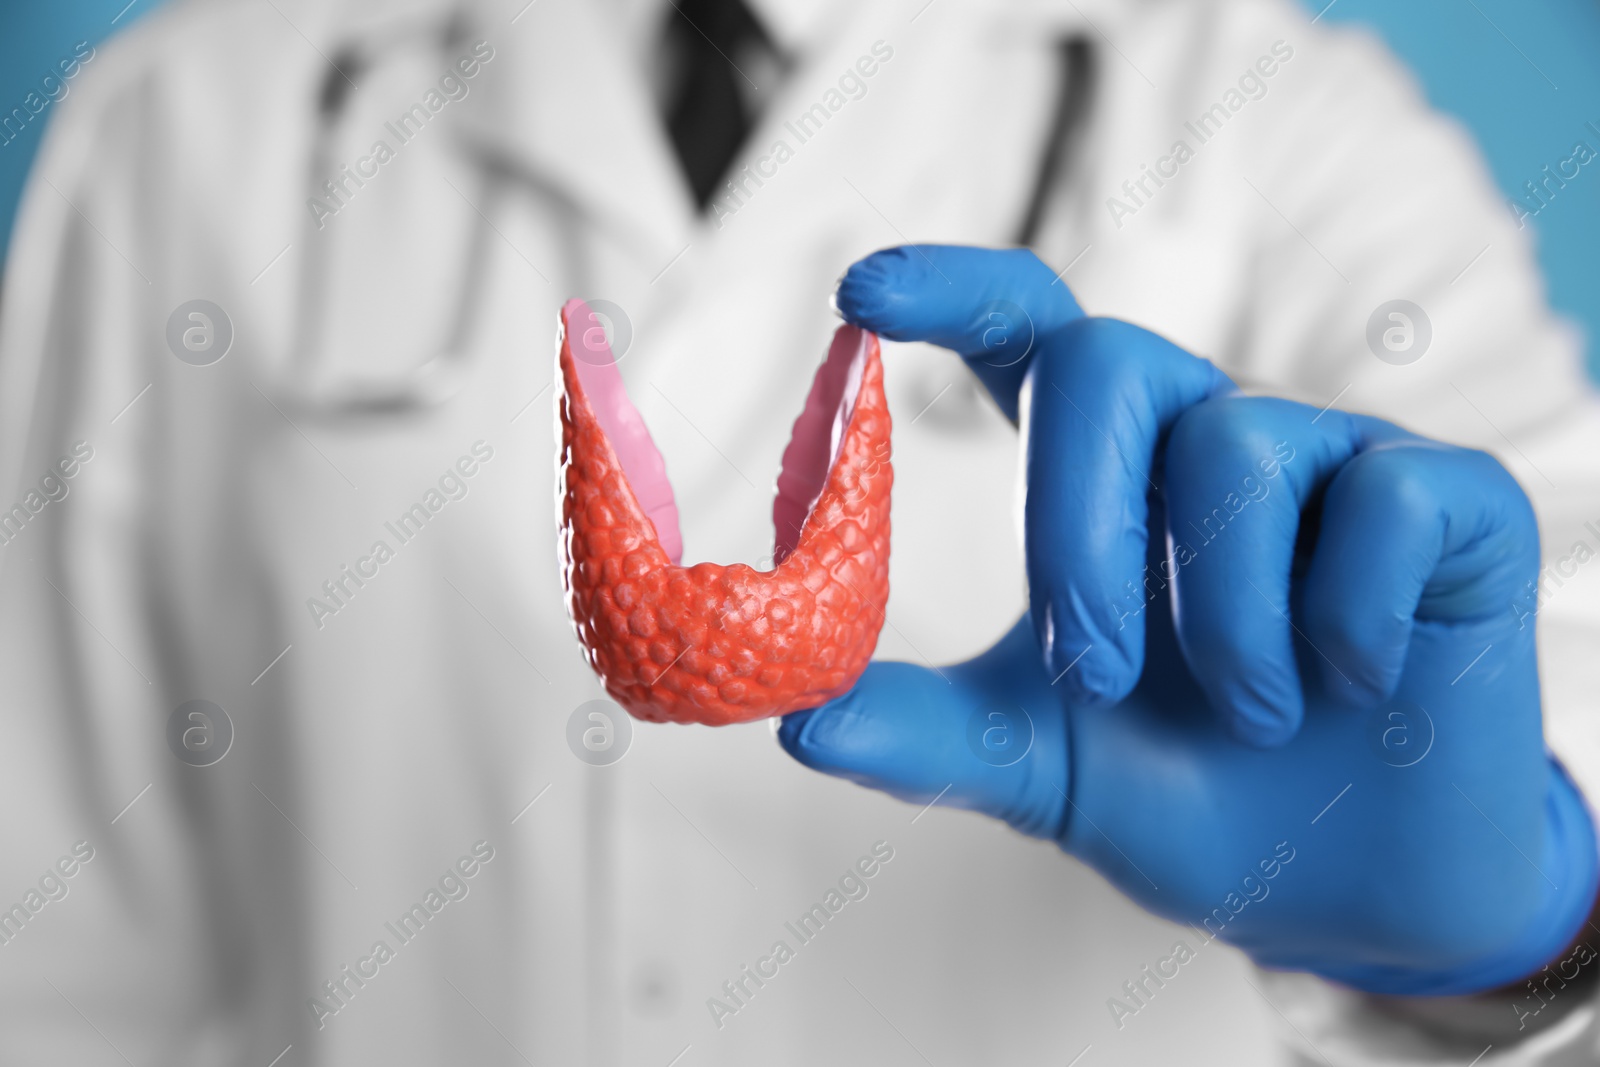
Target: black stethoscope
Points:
(310, 390)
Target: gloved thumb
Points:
(927, 736)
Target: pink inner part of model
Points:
(630, 439)
(818, 437)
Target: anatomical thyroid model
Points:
(722, 644)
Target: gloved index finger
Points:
(990, 306)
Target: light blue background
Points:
(1524, 75)
(34, 35)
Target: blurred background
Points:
(620, 897)
(1523, 116)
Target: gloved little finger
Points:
(1414, 530)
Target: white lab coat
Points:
(372, 751)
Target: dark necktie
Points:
(705, 104)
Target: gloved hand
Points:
(1277, 678)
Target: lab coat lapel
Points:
(740, 323)
(951, 73)
(742, 319)
(568, 112)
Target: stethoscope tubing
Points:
(435, 379)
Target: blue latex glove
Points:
(1311, 725)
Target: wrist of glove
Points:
(1548, 936)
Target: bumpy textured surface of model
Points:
(722, 644)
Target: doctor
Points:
(401, 766)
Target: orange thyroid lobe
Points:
(723, 644)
